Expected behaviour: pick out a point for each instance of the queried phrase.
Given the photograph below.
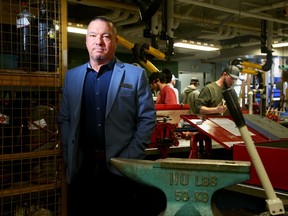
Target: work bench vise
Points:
(188, 184)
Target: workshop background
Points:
(37, 47)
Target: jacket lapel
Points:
(114, 85)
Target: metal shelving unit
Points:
(32, 42)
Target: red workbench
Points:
(269, 137)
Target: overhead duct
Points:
(132, 18)
(229, 10)
(147, 8)
(225, 32)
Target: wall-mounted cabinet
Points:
(31, 70)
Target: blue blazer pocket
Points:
(125, 85)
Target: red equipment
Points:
(269, 137)
(164, 135)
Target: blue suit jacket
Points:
(130, 115)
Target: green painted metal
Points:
(188, 184)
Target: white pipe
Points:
(170, 18)
(270, 7)
(133, 19)
(122, 17)
(155, 26)
(269, 35)
(115, 14)
(250, 102)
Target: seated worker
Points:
(210, 99)
(166, 94)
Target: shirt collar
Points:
(109, 66)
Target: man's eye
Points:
(107, 37)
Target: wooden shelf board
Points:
(28, 155)
(38, 79)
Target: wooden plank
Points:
(37, 79)
(28, 155)
(23, 189)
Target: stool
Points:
(196, 152)
(188, 184)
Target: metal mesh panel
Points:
(30, 156)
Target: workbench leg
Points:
(198, 151)
(163, 149)
(194, 146)
(208, 147)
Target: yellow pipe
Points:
(251, 65)
(249, 71)
(158, 54)
(151, 50)
(149, 66)
(125, 42)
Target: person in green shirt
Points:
(190, 94)
(210, 100)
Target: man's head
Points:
(156, 80)
(230, 74)
(194, 81)
(101, 40)
(232, 71)
(168, 75)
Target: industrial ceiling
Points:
(237, 26)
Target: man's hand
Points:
(221, 108)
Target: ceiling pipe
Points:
(123, 16)
(155, 24)
(112, 4)
(270, 7)
(225, 32)
(170, 18)
(107, 4)
(269, 35)
(185, 16)
(115, 14)
(245, 44)
(281, 32)
(134, 30)
(229, 10)
(133, 19)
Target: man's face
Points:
(154, 85)
(101, 41)
(228, 81)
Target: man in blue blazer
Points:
(106, 111)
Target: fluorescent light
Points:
(278, 44)
(76, 30)
(196, 45)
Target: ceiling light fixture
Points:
(188, 44)
(76, 30)
(278, 44)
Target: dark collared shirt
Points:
(94, 107)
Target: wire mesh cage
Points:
(30, 155)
